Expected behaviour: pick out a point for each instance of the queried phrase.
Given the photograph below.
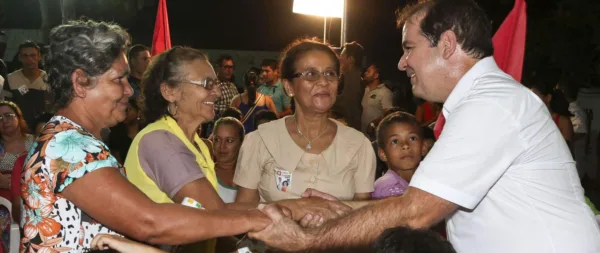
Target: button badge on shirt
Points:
(283, 179)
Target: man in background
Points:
(139, 58)
(377, 97)
(271, 86)
(347, 103)
(27, 85)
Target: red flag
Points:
(509, 41)
(161, 40)
(509, 49)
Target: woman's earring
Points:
(169, 109)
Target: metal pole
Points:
(344, 23)
(325, 29)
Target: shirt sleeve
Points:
(168, 161)
(76, 154)
(249, 166)
(479, 142)
(387, 99)
(363, 179)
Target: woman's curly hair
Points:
(87, 45)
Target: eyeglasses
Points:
(8, 116)
(207, 83)
(314, 75)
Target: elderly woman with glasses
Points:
(74, 189)
(283, 158)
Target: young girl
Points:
(401, 146)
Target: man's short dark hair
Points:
(375, 65)
(569, 87)
(135, 50)
(356, 51)
(28, 44)
(406, 240)
(222, 58)
(463, 17)
(273, 64)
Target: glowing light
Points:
(323, 8)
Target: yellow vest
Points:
(137, 176)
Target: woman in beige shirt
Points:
(307, 150)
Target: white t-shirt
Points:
(226, 193)
(17, 79)
(502, 159)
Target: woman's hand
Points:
(120, 244)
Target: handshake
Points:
(288, 224)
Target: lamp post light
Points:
(325, 9)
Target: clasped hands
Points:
(293, 220)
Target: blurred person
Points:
(347, 103)
(139, 58)
(225, 67)
(251, 101)
(271, 86)
(377, 97)
(28, 86)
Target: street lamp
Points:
(325, 9)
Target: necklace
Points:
(308, 146)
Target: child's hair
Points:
(372, 128)
(406, 240)
(231, 121)
(263, 115)
(232, 112)
(428, 133)
(397, 117)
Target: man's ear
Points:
(448, 44)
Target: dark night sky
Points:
(270, 25)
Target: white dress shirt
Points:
(503, 161)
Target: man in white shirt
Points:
(500, 173)
(377, 97)
(30, 92)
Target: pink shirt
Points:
(390, 184)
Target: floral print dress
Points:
(63, 153)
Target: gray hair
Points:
(87, 45)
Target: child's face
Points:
(403, 146)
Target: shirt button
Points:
(313, 179)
